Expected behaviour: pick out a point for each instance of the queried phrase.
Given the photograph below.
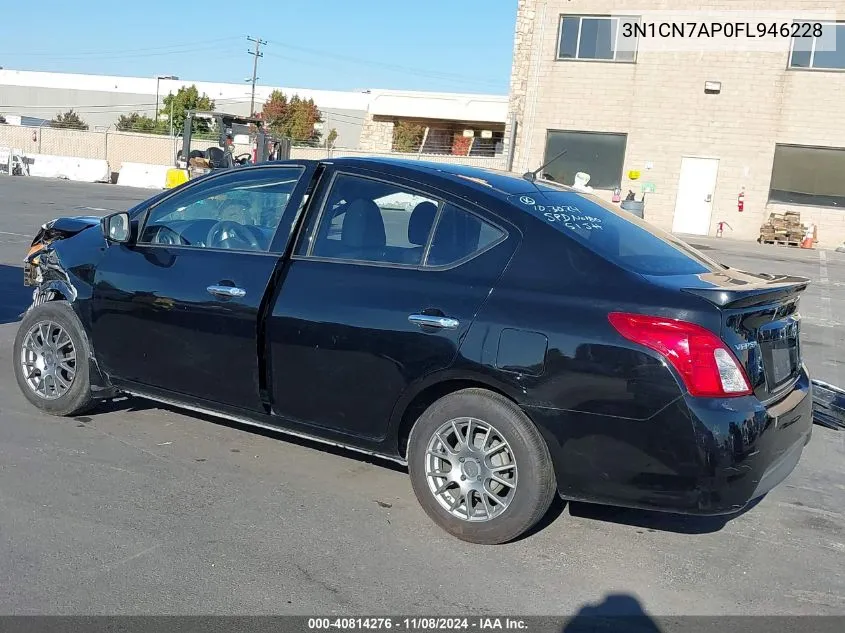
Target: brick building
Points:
(700, 126)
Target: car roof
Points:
(498, 183)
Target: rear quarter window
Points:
(616, 235)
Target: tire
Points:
(532, 477)
(77, 398)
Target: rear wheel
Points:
(479, 467)
(51, 354)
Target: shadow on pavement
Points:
(133, 403)
(656, 521)
(618, 612)
(556, 508)
(14, 296)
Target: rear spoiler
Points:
(779, 289)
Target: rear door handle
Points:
(428, 320)
(226, 291)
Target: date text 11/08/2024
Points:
(417, 624)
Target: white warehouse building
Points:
(361, 118)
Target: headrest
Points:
(420, 223)
(363, 226)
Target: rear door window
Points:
(460, 235)
(613, 233)
(377, 221)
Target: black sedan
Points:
(505, 338)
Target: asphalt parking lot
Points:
(137, 509)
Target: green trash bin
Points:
(634, 206)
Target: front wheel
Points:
(51, 354)
(479, 467)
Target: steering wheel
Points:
(166, 235)
(243, 159)
(223, 232)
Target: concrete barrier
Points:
(142, 175)
(68, 167)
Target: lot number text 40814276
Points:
(419, 624)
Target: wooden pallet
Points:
(782, 243)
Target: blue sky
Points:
(448, 45)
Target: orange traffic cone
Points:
(810, 234)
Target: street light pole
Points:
(158, 79)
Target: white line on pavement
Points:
(827, 313)
(823, 267)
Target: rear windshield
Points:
(615, 234)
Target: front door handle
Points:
(429, 320)
(226, 291)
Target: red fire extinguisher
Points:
(254, 152)
(740, 201)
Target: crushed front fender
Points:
(61, 265)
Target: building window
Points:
(808, 175)
(825, 52)
(596, 38)
(599, 154)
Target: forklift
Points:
(192, 164)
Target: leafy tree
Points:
(304, 114)
(274, 113)
(69, 120)
(331, 138)
(407, 136)
(136, 122)
(294, 118)
(461, 145)
(187, 98)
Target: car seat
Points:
(419, 228)
(216, 157)
(363, 234)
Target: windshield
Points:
(615, 234)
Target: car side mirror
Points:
(117, 228)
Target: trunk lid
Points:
(760, 322)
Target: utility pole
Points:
(256, 54)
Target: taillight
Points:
(706, 365)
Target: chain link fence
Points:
(119, 147)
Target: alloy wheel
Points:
(48, 360)
(470, 469)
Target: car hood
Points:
(59, 229)
(72, 224)
(69, 225)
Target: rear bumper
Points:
(696, 456)
(751, 448)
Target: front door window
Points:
(238, 211)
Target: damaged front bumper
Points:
(49, 279)
(42, 269)
(44, 273)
